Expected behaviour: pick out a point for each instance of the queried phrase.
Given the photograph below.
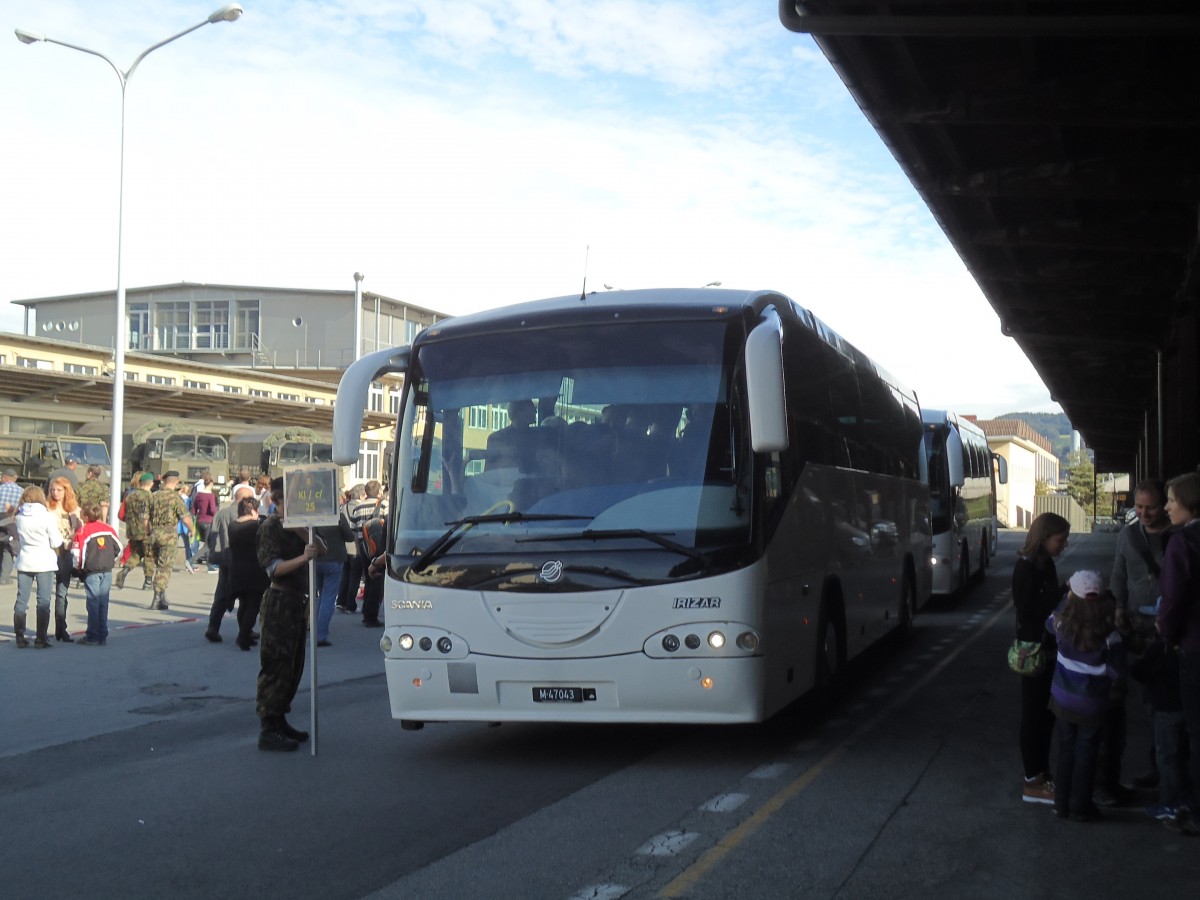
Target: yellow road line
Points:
(692, 875)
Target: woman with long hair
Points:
(63, 505)
(1036, 592)
(37, 563)
(1179, 614)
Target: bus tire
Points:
(411, 724)
(908, 604)
(831, 650)
(983, 562)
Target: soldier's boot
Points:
(159, 601)
(119, 581)
(19, 630)
(273, 738)
(60, 630)
(43, 622)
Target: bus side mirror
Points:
(764, 387)
(352, 399)
(1001, 467)
(954, 458)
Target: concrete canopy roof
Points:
(1058, 145)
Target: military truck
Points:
(35, 456)
(266, 451)
(160, 445)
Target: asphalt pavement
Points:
(72, 692)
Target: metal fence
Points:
(1081, 522)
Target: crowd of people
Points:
(1143, 626)
(60, 532)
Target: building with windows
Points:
(234, 325)
(1030, 459)
(227, 358)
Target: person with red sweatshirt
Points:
(94, 553)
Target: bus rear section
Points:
(963, 474)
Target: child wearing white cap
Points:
(1091, 660)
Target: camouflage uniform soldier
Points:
(92, 491)
(285, 555)
(167, 510)
(137, 529)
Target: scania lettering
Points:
(641, 506)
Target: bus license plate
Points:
(563, 694)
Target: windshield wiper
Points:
(459, 527)
(607, 534)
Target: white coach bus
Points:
(640, 506)
(962, 492)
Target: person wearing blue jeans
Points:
(96, 586)
(329, 574)
(96, 550)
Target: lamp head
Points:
(230, 12)
(29, 37)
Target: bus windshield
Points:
(622, 439)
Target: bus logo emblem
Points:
(551, 571)
(697, 602)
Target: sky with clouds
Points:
(465, 155)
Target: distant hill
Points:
(1054, 427)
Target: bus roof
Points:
(648, 304)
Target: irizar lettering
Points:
(697, 602)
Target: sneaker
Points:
(1039, 790)
(1183, 824)
(1104, 796)
(1162, 811)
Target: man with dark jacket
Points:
(218, 552)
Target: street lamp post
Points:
(230, 12)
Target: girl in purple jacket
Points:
(1090, 664)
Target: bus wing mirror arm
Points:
(352, 399)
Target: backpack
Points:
(373, 537)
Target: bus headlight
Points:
(670, 643)
(716, 640)
(748, 641)
(385, 644)
(406, 642)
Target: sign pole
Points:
(310, 501)
(312, 646)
